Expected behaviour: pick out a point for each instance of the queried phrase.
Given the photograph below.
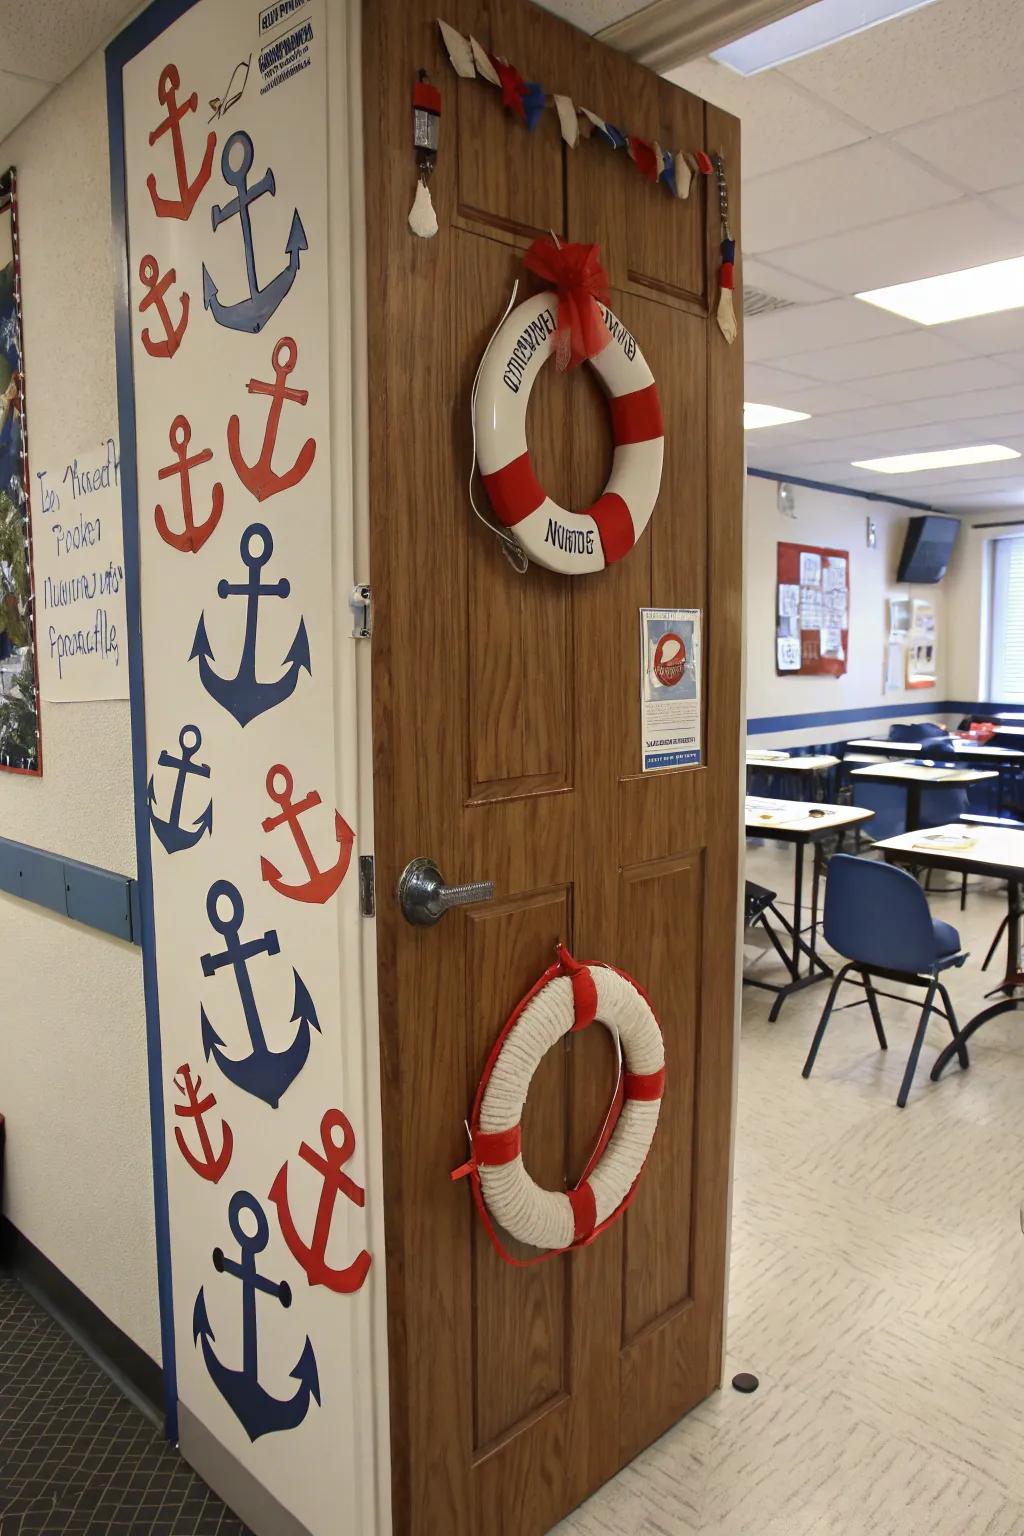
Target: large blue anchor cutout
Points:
(242, 695)
(264, 1073)
(172, 835)
(250, 314)
(258, 1411)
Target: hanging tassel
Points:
(726, 314)
(567, 120)
(426, 123)
(459, 51)
(422, 218)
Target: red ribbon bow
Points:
(581, 281)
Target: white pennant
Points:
(598, 122)
(483, 64)
(459, 51)
(422, 218)
(567, 120)
(684, 175)
(726, 316)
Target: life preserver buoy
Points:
(571, 542)
(568, 996)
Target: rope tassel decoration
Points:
(426, 123)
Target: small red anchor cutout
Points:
(329, 1166)
(322, 883)
(259, 478)
(208, 1167)
(157, 287)
(179, 207)
(192, 537)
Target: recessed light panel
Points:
(813, 27)
(955, 295)
(941, 458)
(755, 416)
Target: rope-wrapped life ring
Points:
(571, 542)
(568, 996)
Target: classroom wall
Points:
(968, 600)
(73, 1083)
(839, 522)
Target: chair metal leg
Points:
(961, 1047)
(995, 942)
(823, 1021)
(875, 1013)
(963, 892)
(915, 1049)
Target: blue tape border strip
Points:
(763, 725)
(139, 34)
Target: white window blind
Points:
(1007, 652)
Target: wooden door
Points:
(507, 747)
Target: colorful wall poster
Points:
(20, 742)
(922, 661)
(812, 611)
(670, 693)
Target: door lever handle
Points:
(424, 897)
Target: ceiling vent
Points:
(757, 302)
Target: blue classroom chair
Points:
(877, 918)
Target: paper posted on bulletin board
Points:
(670, 669)
(812, 617)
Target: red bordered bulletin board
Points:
(812, 611)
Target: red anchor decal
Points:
(191, 538)
(179, 207)
(329, 1166)
(157, 287)
(322, 883)
(209, 1167)
(259, 478)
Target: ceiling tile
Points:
(782, 285)
(867, 359)
(765, 386)
(951, 379)
(953, 53)
(1010, 200)
(981, 147)
(49, 38)
(781, 124)
(960, 234)
(976, 404)
(982, 336)
(17, 98)
(862, 184)
(870, 418)
(768, 337)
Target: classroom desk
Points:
(915, 777)
(781, 763)
(995, 851)
(799, 822)
(940, 747)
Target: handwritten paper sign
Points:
(79, 573)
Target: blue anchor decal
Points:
(172, 835)
(242, 695)
(257, 1410)
(264, 1073)
(250, 314)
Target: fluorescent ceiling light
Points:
(755, 416)
(807, 30)
(940, 458)
(955, 295)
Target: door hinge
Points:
(361, 604)
(367, 894)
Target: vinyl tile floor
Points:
(77, 1457)
(876, 1281)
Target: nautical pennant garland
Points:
(674, 170)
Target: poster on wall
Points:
(812, 611)
(79, 562)
(670, 669)
(20, 739)
(921, 646)
(245, 809)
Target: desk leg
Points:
(1013, 979)
(798, 897)
(913, 807)
(1013, 968)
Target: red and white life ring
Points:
(570, 542)
(568, 996)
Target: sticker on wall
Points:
(313, 1255)
(207, 1163)
(179, 207)
(260, 478)
(670, 705)
(320, 884)
(192, 535)
(253, 312)
(169, 831)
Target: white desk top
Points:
(991, 847)
(787, 764)
(919, 773)
(965, 749)
(763, 814)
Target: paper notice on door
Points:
(789, 600)
(832, 643)
(787, 654)
(810, 608)
(670, 671)
(810, 569)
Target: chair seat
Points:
(947, 940)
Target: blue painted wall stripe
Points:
(762, 725)
(99, 898)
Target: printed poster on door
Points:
(253, 891)
(670, 693)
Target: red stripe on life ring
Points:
(584, 1212)
(636, 418)
(584, 997)
(614, 525)
(514, 491)
(644, 1085)
(493, 1148)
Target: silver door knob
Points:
(424, 897)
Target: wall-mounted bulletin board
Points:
(812, 610)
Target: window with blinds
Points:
(1007, 643)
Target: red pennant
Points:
(642, 151)
(513, 86)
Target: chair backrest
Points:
(941, 805)
(889, 803)
(878, 914)
(926, 730)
